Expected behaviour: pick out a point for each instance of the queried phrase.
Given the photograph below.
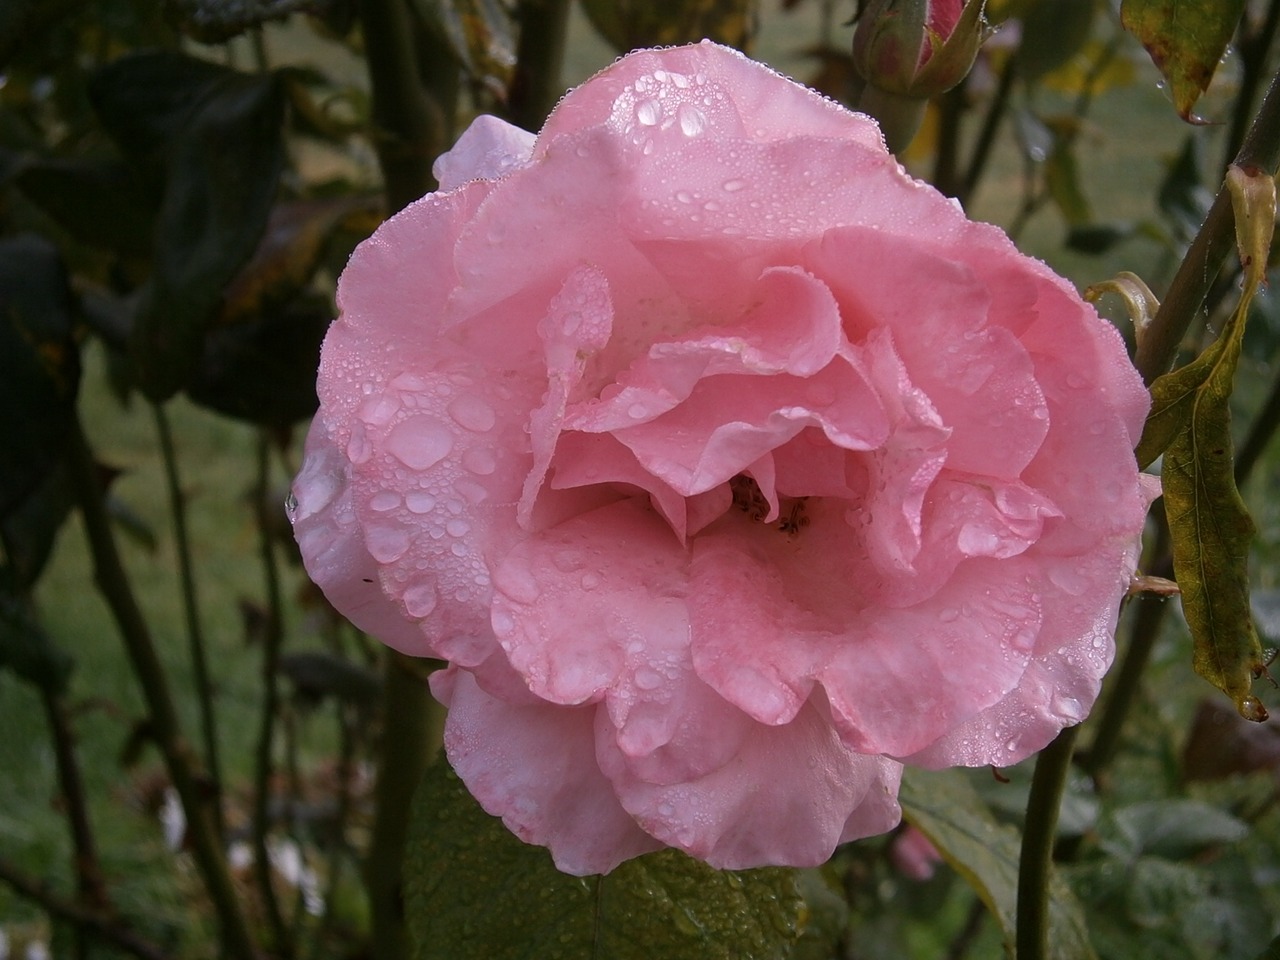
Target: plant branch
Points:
(1038, 835)
(987, 135)
(1205, 256)
(180, 760)
(1253, 47)
(96, 922)
(191, 611)
(90, 886)
(272, 637)
(535, 88)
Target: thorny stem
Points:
(94, 921)
(191, 611)
(90, 886)
(535, 88)
(180, 760)
(272, 638)
(1038, 834)
(1215, 239)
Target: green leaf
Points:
(1272, 952)
(25, 648)
(473, 890)
(1186, 39)
(216, 135)
(944, 807)
(98, 202)
(39, 365)
(1175, 829)
(1053, 32)
(1210, 527)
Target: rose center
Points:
(747, 497)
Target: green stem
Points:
(1126, 682)
(535, 88)
(951, 108)
(983, 145)
(1038, 835)
(180, 760)
(273, 636)
(1215, 239)
(191, 611)
(1253, 48)
(409, 733)
(90, 886)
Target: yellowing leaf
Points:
(1186, 39)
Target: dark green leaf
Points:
(264, 371)
(481, 35)
(473, 890)
(28, 531)
(216, 134)
(1175, 829)
(1053, 31)
(1098, 238)
(216, 21)
(945, 808)
(26, 649)
(316, 675)
(1272, 952)
(39, 365)
(1186, 39)
(100, 203)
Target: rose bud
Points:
(907, 51)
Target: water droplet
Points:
(733, 186)
(420, 599)
(647, 679)
(291, 507)
(377, 411)
(419, 501)
(457, 528)
(1251, 708)
(948, 614)
(387, 543)
(359, 449)
(473, 413)
(648, 112)
(1076, 381)
(384, 500)
(590, 581)
(480, 461)
(684, 196)
(692, 120)
(419, 442)
(636, 411)
(503, 623)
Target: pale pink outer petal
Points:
(561, 801)
(488, 149)
(789, 795)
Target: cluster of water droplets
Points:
(431, 442)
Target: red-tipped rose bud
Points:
(907, 51)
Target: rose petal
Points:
(790, 795)
(563, 801)
(487, 149)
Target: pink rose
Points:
(729, 467)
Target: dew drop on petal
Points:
(419, 501)
(473, 413)
(291, 507)
(648, 112)
(457, 528)
(420, 599)
(733, 186)
(692, 120)
(384, 500)
(387, 543)
(420, 442)
(480, 461)
(647, 679)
